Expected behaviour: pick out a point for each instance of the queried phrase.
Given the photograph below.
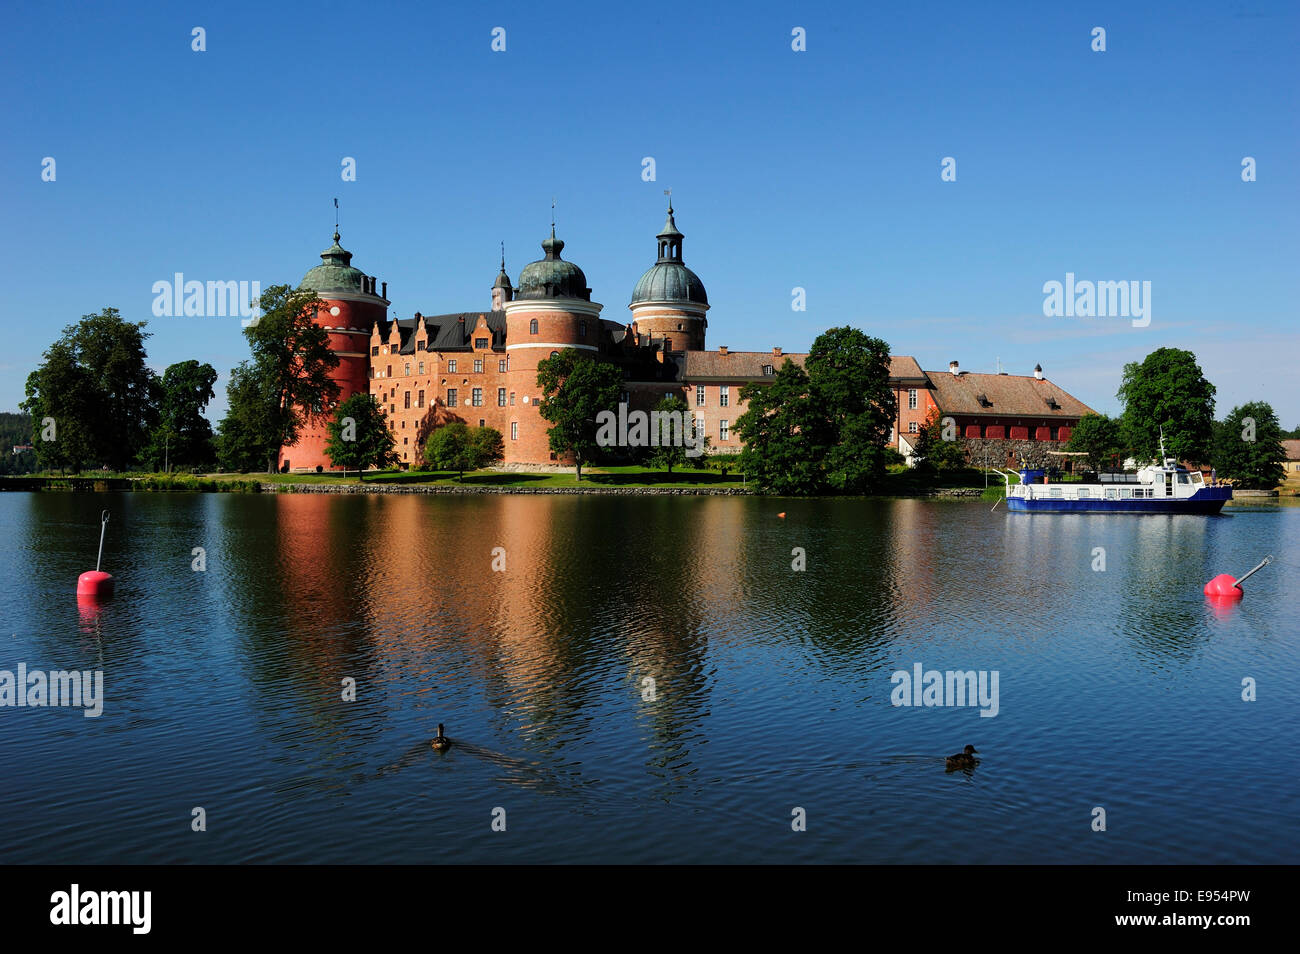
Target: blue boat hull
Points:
(1205, 502)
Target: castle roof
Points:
(551, 276)
(335, 273)
(1002, 395)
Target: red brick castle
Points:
(481, 367)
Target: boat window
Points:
(1056, 491)
(1112, 493)
(1184, 478)
(1083, 492)
(1126, 492)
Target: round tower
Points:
(350, 306)
(551, 310)
(669, 301)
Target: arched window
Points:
(555, 354)
(532, 327)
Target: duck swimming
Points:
(440, 741)
(964, 759)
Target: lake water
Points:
(1117, 688)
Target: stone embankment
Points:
(372, 488)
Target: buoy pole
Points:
(1263, 563)
(103, 528)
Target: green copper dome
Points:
(335, 272)
(552, 276)
(668, 279)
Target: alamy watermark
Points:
(930, 687)
(653, 429)
(38, 689)
(194, 299)
(1087, 299)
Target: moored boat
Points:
(1162, 487)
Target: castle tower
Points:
(669, 301)
(351, 305)
(551, 311)
(502, 291)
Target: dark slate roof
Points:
(446, 332)
(1003, 394)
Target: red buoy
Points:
(1224, 585)
(96, 584)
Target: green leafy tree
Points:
(359, 436)
(16, 432)
(183, 436)
(242, 434)
(779, 429)
(823, 428)
(95, 385)
(1167, 389)
(934, 452)
(1248, 447)
(1098, 436)
(291, 367)
(672, 437)
(575, 390)
(458, 447)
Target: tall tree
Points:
(183, 435)
(291, 366)
(242, 434)
(779, 428)
(575, 390)
(1167, 389)
(934, 451)
(1248, 447)
(1098, 436)
(95, 385)
(848, 380)
(669, 450)
(359, 436)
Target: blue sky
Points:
(816, 169)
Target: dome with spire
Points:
(552, 276)
(668, 279)
(335, 272)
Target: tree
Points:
(575, 390)
(1167, 389)
(457, 447)
(241, 435)
(16, 432)
(1248, 447)
(671, 450)
(95, 386)
(848, 379)
(934, 451)
(359, 436)
(823, 428)
(182, 434)
(1098, 436)
(288, 376)
(779, 429)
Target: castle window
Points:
(406, 440)
(422, 367)
(451, 397)
(476, 396)
(406, 401)
(501, 365)
(480, 343)
(555, 354)
(478, 365)
(911, 399)
(501, 397)
(419, 345)
(699, 395)
(392, 409)
(389, 373)
(724, 430)
(374, 351)
(582, 329)
(481, 422)
(451, 366)
(911, 427)
(532, 327)
(668, 344)
(419, 399)
(724, 396)
(768, 370)
(514, 430)
(512, 398)
(408, 367)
